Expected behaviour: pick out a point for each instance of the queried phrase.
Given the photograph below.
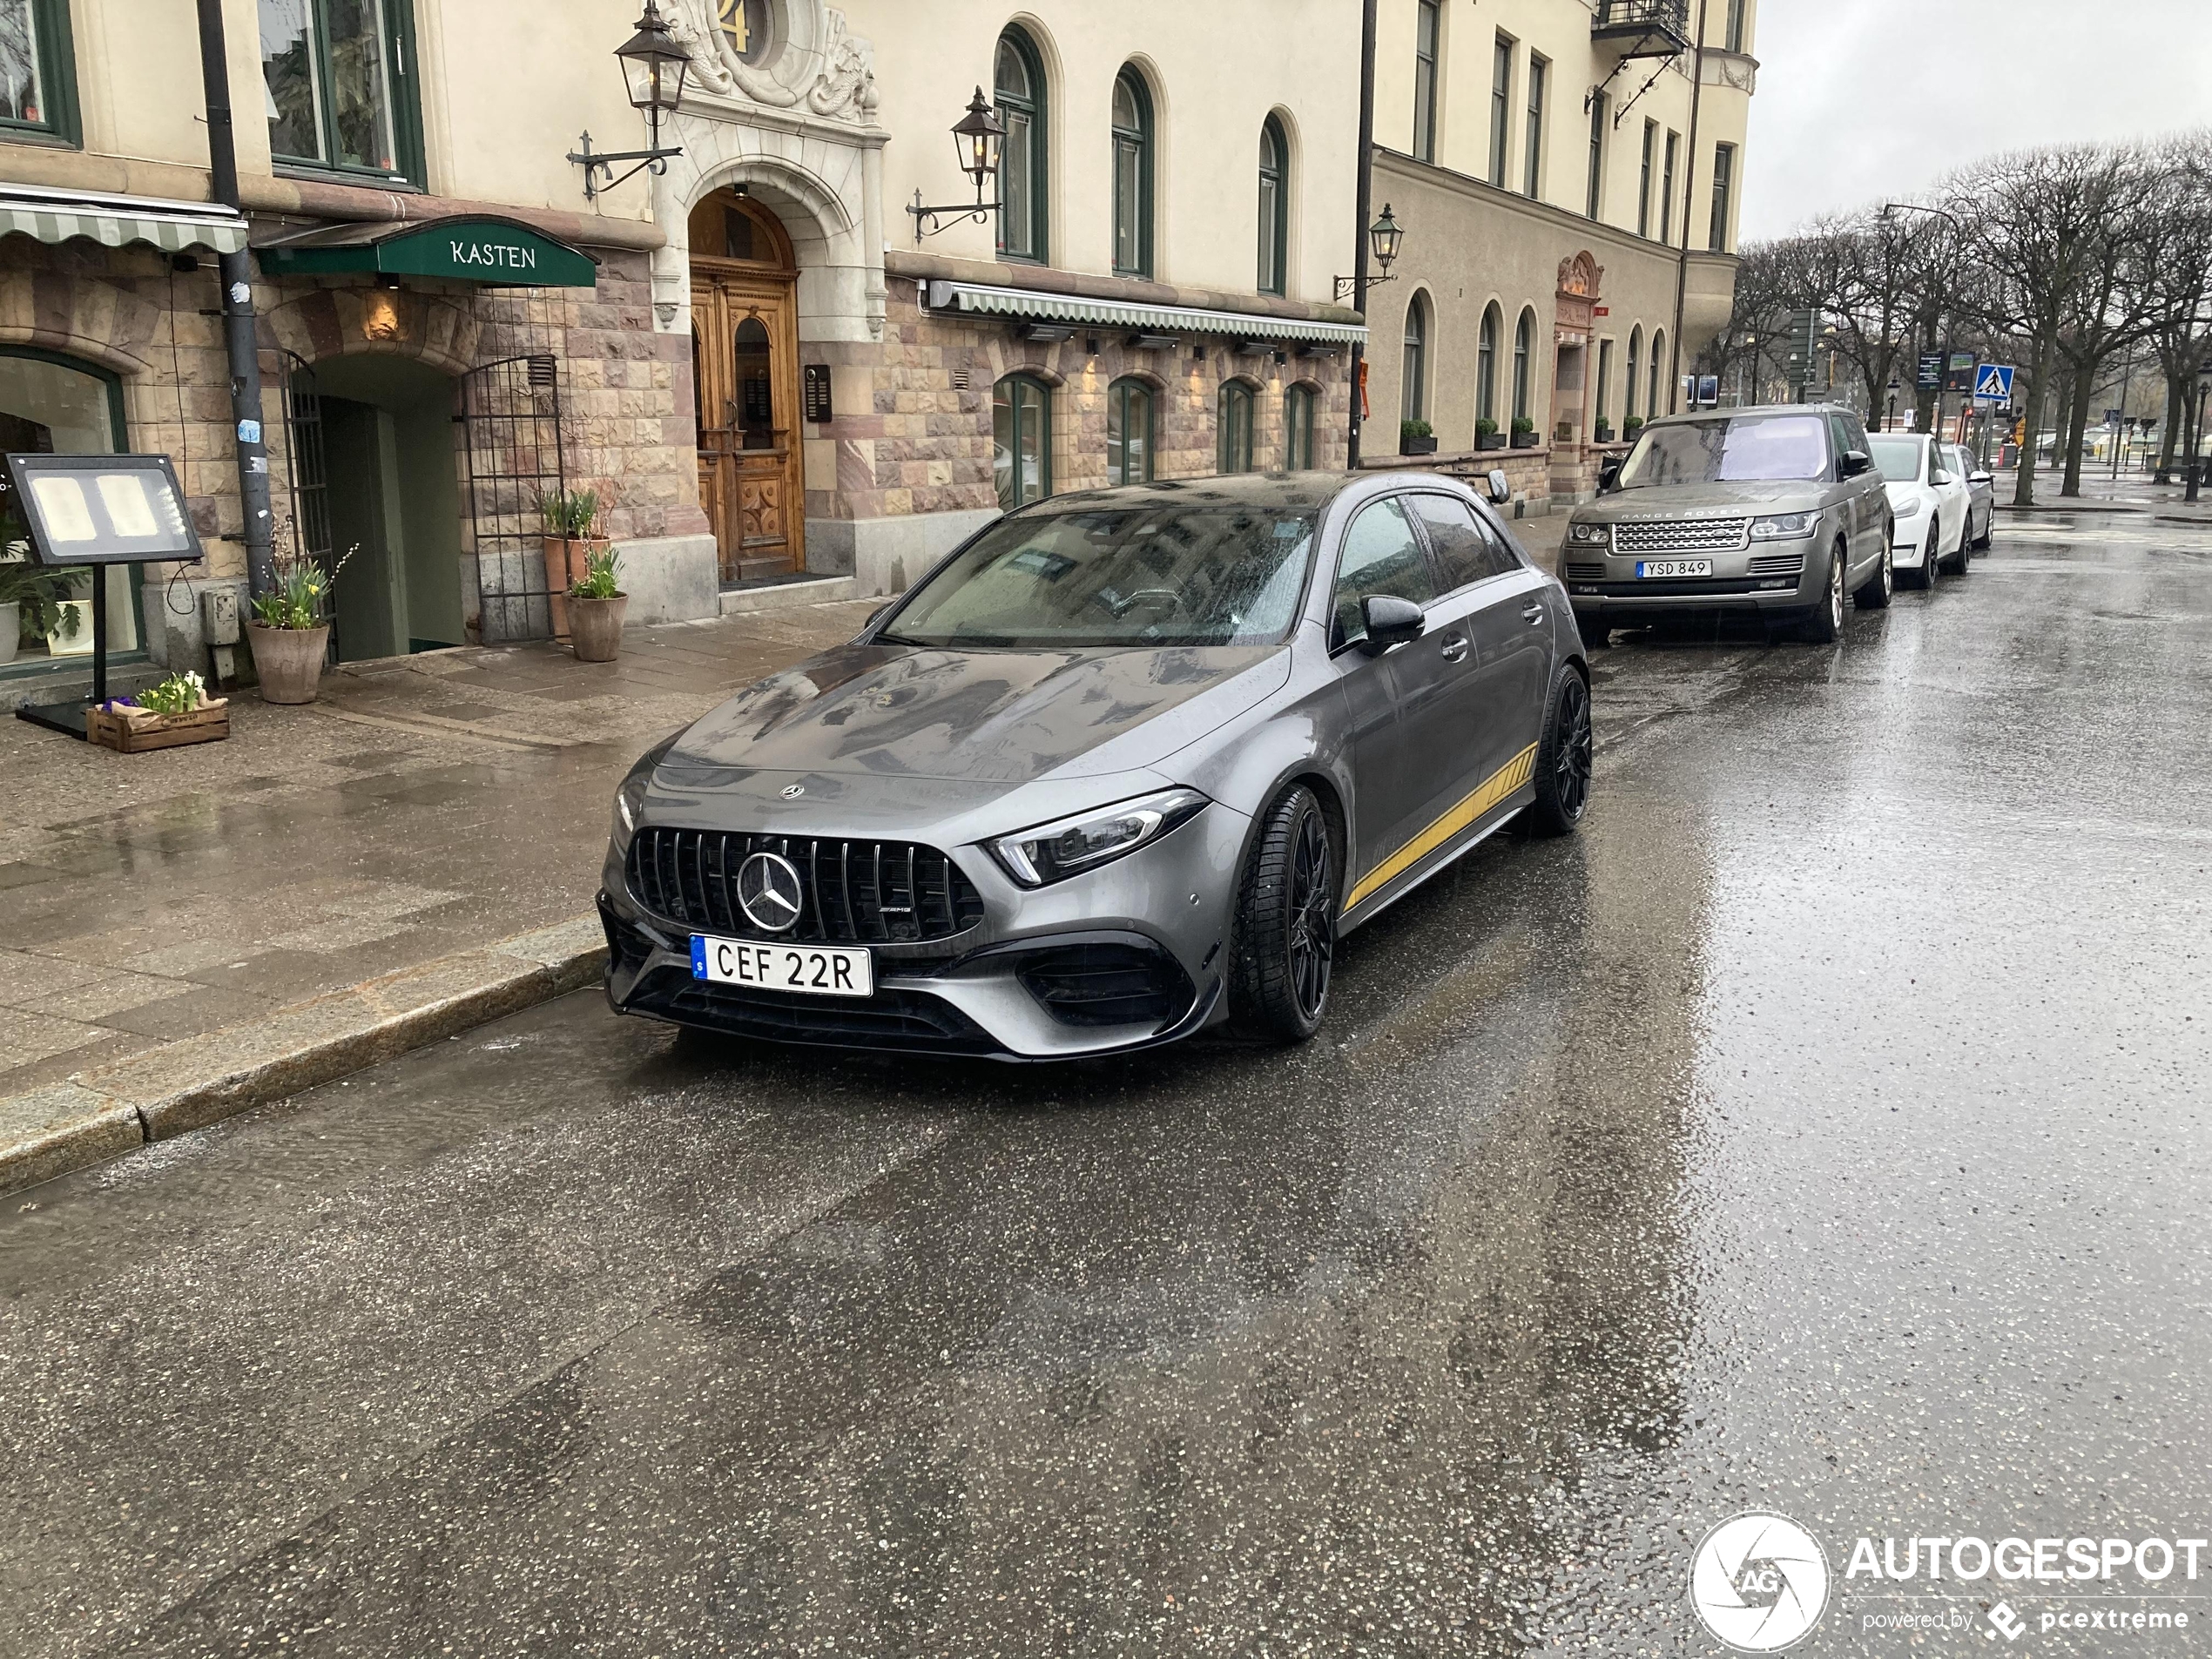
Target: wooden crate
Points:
(133, 730)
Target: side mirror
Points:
(1939, 477)
(1609, 474)
(1501, 486)
(1854, 463)
(1391, 621)
(1979, 478)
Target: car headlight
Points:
(1910, 507)
(1781, 527)
(1068, 846)
(630, 798)
(1579, 535)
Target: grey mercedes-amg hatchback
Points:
(1127, 764)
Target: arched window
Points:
(1129, 433)
(1236, 428)
(1298, 429)
(1021, 439)
(1524, 344)
(1658, 368)
(1132, 175)
(1274, 206)
(1412, 385)
(1019, 81)
(1486, 368)
(1635, 357)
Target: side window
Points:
(1379, 556)
(1463, 548)
(1839, 437)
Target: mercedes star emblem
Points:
(792, 792)
(769, 892)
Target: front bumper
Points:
(1780, 580)
(1126, 956)
(1909, 551)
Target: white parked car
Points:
(1981, 496)
(1929, 502)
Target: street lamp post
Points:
(2196, 433)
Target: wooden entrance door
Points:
(745, 350)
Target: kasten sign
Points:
(474, 249)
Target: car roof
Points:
(1264, 492)
(1686, 416)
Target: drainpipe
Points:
(236, 271)
(1365, 197)
(1689, 196)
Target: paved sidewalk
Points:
(418, 849)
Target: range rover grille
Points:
(1683, 536)
(860, 893)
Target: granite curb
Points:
(102, 1113)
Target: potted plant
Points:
(32, 595)
(571, 519)
(1416, 438)
(290, 630)
(178, 710)
(1524, 433)
(596, 608)
(1630, 427)
(1486, 436)
(1603, 432)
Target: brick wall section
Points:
(925, 446)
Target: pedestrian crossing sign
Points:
(1993, 383)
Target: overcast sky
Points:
(1868, 100)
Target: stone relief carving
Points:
(818, 65)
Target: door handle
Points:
(1532, 612)
(1454, 647)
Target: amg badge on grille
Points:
(769, 892)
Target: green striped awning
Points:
(978, 300)
(116, 221)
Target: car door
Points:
(1867, 512)
(1381, 554)
(1493, 707)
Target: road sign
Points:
(1931, 371)
(1961, 375)
(1993, 383)
(1804, 359)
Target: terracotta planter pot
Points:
(288, 661)
(598, 627)
(565, 565)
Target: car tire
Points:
(1874, 595)
(1956, 564)
(1988, 528)
(1825, 625)
(1924, 575)
(1287, 922)
(1563, 758)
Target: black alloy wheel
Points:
(1287, 922)
(1563, 758)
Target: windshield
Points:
(1898, 458)
(1138, 576)
(1770, 447)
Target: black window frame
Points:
(1298, 403)
(1643, 185)
(1428, 49)
(1524, 366)
(1595, 196)
(401, 65)
(1235, 394)
(1732, 36)
(1013, 384)
(1629, 381)
(1119, 396)
(1723, 188)
(1532, 165)
(1667, 187)
(1034, 107)
(1275, 234)
(1600, 384)
(1489, 343)
(1413, 380)
(62, 122)
(1500, 108)
(1136, 139)
(1658, 351)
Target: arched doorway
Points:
(745, 363)
(384, 484)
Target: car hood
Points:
(1663, 501)
(1908, 494)
(981, 716)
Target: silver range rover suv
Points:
(1777, 512)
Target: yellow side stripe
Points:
(1496, 787)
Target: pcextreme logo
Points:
(1759, 1581)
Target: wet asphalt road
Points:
(1825, 1129)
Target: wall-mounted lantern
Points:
(977, 137)
(654, 67)
(1384, 237)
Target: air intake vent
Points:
(861, 893)
(1586, 572)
